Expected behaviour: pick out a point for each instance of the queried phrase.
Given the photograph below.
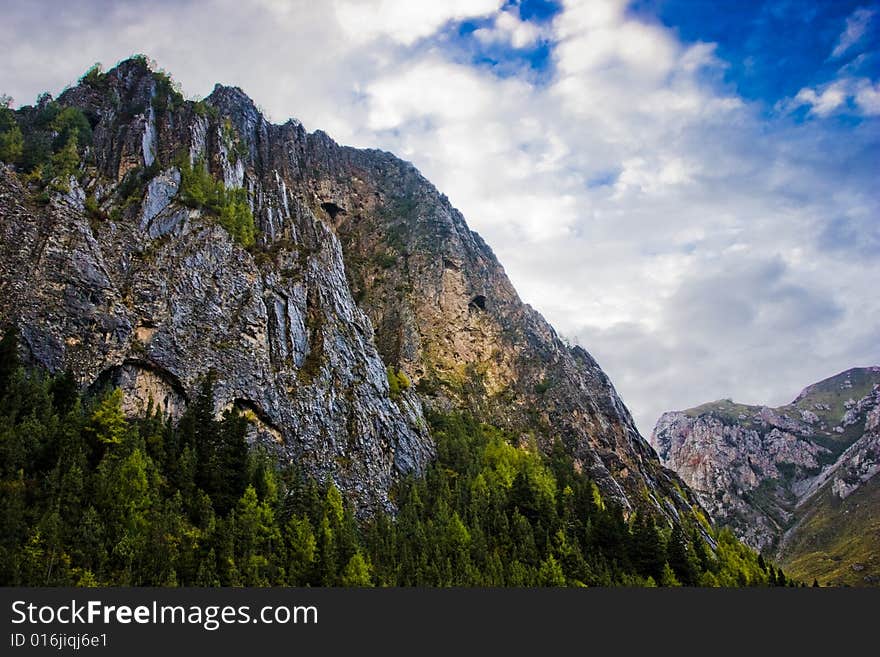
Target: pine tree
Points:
(89, 543)
(125, 495)
(550, 573)
(299, 539)
(11, 139)
(356, 572)
(229, 462)
(327, 565)
(207, 574)
(257, 539)
(648, 551)
(65, 392)
(681, 560)
(780, 578)
(108, 423)
(9, 361)
(667, 577)
(701, 553)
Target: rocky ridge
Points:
(765, 472)
(359, 265)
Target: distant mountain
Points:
(798, 482)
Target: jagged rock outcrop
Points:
(156, 296)
(773, 474)
(359, 264)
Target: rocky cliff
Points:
(363, 297)
(799, 480)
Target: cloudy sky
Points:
(686, 188)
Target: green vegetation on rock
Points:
(837, 541)
(398, 381)
(95, 77)
(46, 142)
(11, 139)
(198, 189)
(167, 97)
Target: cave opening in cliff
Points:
(478, 301)
(332, 209)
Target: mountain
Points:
(332, 293)
(798, 481)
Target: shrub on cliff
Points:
(198, 189)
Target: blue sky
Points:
(686, 188)
(773, 48)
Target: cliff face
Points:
(447, 315)
(151, 295)
(790, 479)
(359, 264)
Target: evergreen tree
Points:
(680, 557)
(701, 552)
(9, 361)
(780, 578)
(299, 538)
(91, 497)
(550, 573)
(667, 576)
(257, 540)
(229, 462)
(108, 423)
(356, 572)
(11, 138)
(647, 549)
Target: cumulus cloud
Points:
(867, 97)
(856, 95)
(697, 245)
(825, 101)
(405, 21)
(509, 28)
(856, 27)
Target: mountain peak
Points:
(311, 279)
(227, 97)
(790, 479)
(854, 377)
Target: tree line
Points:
(91, 497)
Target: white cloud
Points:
(699, 55)
(856, 26)
(405, 21)
(431, 88)
(633, 48)
(825, 101)
(858, 95)
(657, 177)
(867, 97)
(509, 28)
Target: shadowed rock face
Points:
(766, 471)
(360, 263)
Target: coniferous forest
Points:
(90, 497)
